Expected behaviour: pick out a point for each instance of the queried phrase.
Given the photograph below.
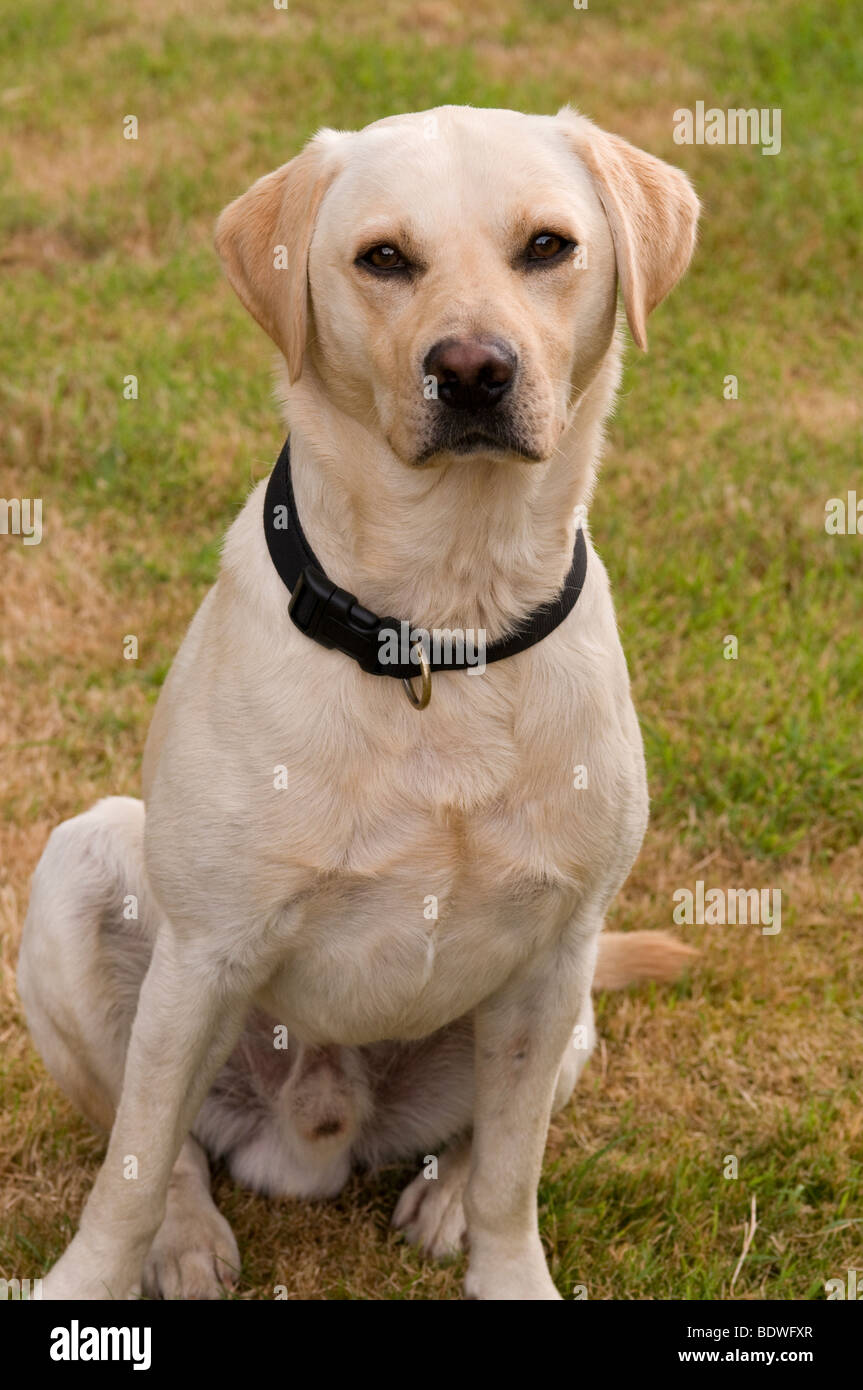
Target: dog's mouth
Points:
(477, 437)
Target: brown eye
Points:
(383, 257)
(547, 246)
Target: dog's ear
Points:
(652, 211)
(263, 239)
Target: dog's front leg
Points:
(521, 1034)
(190, 1014)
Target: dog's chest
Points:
(389, 868)
(452, 860)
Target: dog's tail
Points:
(630, 958)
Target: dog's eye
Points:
(383, 257)
(547, 246)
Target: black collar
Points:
(333, 617)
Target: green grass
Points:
(709, 516)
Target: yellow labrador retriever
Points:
(361, 918)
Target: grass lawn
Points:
(709, 515)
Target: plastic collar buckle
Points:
(333, 617)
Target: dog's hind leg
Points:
(430, 1210)
(194, 1254)
(86, 946)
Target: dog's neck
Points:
(474, 544)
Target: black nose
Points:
(471, 373)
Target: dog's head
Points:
(452, 275)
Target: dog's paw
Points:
(510, 1272)
(194, 1256)
(510, 1284)
(91, 1269)
(430, 1212)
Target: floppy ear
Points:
(278, 212)
(652, 211)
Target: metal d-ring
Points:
(419, 701)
